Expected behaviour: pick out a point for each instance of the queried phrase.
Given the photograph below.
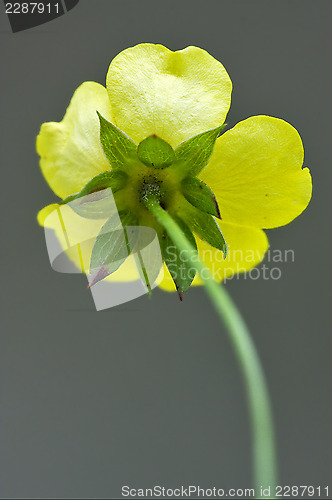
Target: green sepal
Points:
(155, 152)
(119, 149)
(200, 195)
(177, 261)
(193, 155)
(114, 180)
(96, 200)
(113, 245)
(206, 228)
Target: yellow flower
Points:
(255, 170)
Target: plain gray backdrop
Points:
(150, 392)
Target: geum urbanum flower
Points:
(153, 131)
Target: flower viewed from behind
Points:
(154, 132)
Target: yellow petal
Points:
(174, 95)
(246, 248)
(70, 150)
(256, 173)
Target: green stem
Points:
(264, 452)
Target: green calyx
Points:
(151, 172)
(155, 152)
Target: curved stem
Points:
(264, 452)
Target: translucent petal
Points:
(174, 95)
(70, 150)
(256, 173)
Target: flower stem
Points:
(264, 451)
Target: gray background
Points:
(150, 392)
